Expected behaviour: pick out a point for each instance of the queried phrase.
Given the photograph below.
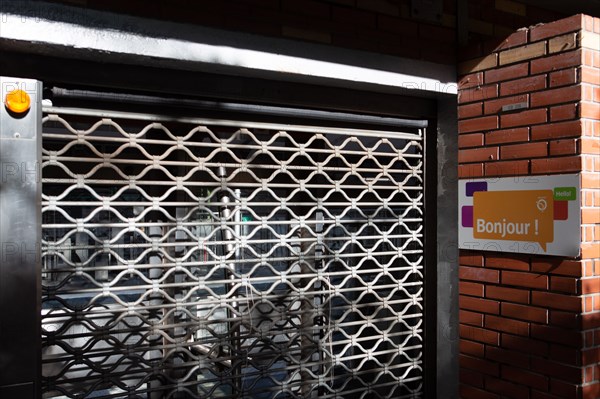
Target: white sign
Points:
(524, 214)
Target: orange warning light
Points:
(18, 101)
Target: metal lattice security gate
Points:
(209, 258)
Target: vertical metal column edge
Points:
(430, 271)
(446, 151)
(20, 237)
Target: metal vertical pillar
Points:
(20, 237)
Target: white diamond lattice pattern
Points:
(200, 259)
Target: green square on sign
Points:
(565, 194)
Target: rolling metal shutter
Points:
(191, 257)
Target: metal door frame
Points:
(432, 249)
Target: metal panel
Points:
(427, 10)
(128, 78)
(187, 257)
(103, 37)
(20, 198)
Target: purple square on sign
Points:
(467, 216)
(476, 186)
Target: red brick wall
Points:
(530, 325)
(590, 149)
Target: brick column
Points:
(530, 325)
(589, 285)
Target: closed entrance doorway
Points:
(188, 256)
